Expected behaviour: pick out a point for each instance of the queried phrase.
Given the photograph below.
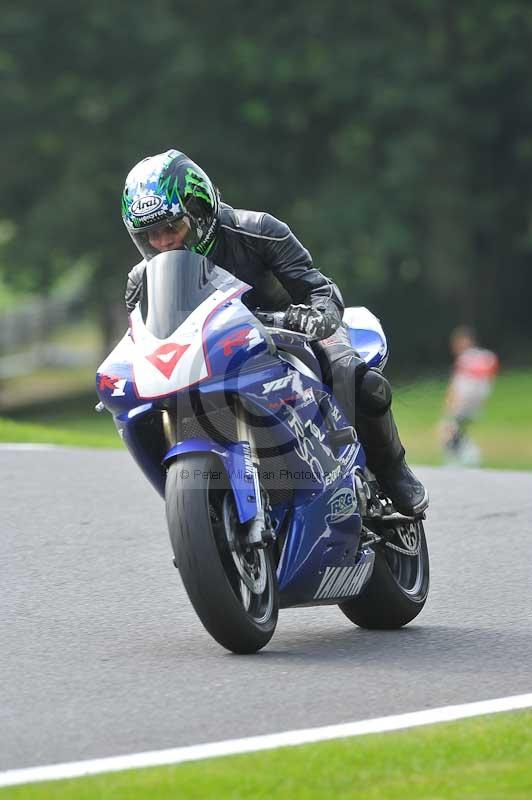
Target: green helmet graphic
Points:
(169, 189)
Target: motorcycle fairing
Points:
(283, 405)
(233, 336)
(339, 582)
(366, 335)
(163, 367)
(183, 292)
(323, 565)
(117, 367)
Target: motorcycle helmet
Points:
(169, 191)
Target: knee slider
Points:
(374, 394)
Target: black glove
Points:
(309, 320)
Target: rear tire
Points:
(399, 585)
(232, 587)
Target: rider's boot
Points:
(385, 456)
(367, 397)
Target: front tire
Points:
(399, 585)
(232, 587)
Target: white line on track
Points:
(177, 755)
(31, 446)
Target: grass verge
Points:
(78, 432)
(489, 758)
(71, 421)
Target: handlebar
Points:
(271, 319)
(275, 319)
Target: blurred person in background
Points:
(471, 383)
(170, 203)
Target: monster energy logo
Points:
(197, 186)
(169, 187)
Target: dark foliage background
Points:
(394, 138)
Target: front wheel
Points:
(233, 587)
(399, 585)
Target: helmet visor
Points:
(176, 234)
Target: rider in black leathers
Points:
(169, 203)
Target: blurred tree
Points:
(397, 143)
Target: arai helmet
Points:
(170, 189)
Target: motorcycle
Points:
(269, 501)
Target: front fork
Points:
(259, 534)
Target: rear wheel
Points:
(233, 587)
(399, 585)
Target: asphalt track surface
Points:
(101, 653)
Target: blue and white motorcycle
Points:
(268, 499)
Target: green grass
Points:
(70, 420)
(486, 758)
(53, 385)
(78, 431)
(504, 432)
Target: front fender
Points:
(236, 459)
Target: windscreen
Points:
(177, 283)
